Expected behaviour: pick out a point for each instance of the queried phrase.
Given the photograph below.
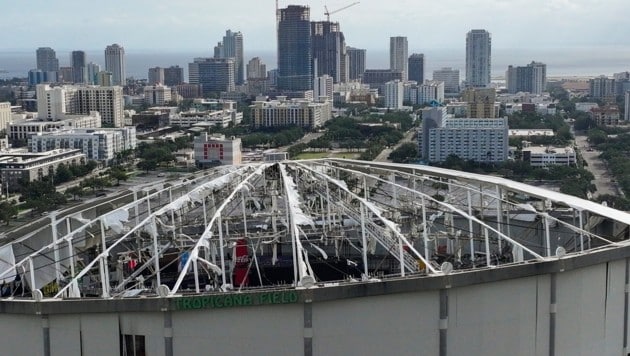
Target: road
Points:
(603, 179)
(410, 136)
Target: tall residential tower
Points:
(398, 55)
(115, 63)
(478, 58)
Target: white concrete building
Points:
(431, 90)
(478, 58)
(480, 140)
(221, 118)
(541, 156)
(450, 77)
(55, 102)
(213, 150)
(5, 115)
(323, 87)
(22, 129)
(19, 165)
(115, 63)
(283, 112)
(394, 95)
(98, 144)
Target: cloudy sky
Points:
(198, 24)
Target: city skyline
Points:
(449, 19)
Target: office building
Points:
(531, 78)
(545, 156)
(233, 48)
(398, 55)
(66, 75)
(294, 49)
(215, 75)
(19, 166)
(54, 103)
(189, 91)
(283, 112)
(608, 115)
(157, 95)
(115, 63)
(416, 67)
(96, 144)
(376, 78)
(21, 130)
(430, 92)
(450, 77)
(323, 88)
(38, 76)
(47, 59)
(356, 63)
(478, 58)
(329, 51)
(173, 75)
(156, 76)
(602, 87)
(78, 63)
(481, 102)
(104, 79)
(394, 95)
(213, 150)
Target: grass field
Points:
(312, 155)
(348, 155)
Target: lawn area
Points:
(312, 155)
(347, 155)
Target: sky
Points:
(191, 25)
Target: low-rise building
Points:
(21, 130)
(585, 107)
(19, 165)
(541, 156)
(283, 112)
(97, 144)
(208, 113)
(215, 150)
(607, 116)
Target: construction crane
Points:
(328, 13)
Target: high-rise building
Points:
(66, 74)
(156, 76)
(38, 76)
(115, 63)
(256, 69)
(283, 112)
(398, 55)
(478, 58)
(416, 67)
(481, 102)
(323, 87)
(173, 75)
(531, 78)
(218, 50)
(329, 51)
(104, 78)
(233, 48)
(376, 78)
(450, 77)
(626, 113)
(431, 91)
(47, 59)
(5, 115)
(602, 87)
(356, 63)
(54, 102)
(394, 93)
(79, 72)
(294, 49)
(92, 70)
(214, 74)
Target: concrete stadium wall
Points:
(575, 306)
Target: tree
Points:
(75, 192)
(405, 153)
(7, 211)
(147, 165)
(118, 174)
(63, 174)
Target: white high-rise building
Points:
(54, 103)
(232, 47)
(5, 115)
(431, 90)
(478, 58)
(323, 88)
(398, 55)
(394, 94)
(115, 63)
(256, 69)
(450, 77)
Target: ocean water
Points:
(561, 62)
